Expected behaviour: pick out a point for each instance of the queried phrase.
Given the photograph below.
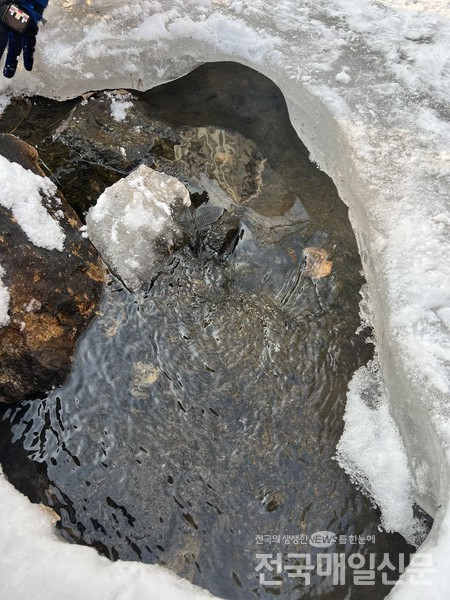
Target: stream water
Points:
(198, 427)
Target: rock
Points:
(221, 236)
(318, 262)
(132, 224)
(115, 130)
(224, 156)
(52, 293)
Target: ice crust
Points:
(130, 217)
(367, 86)
(372, 452)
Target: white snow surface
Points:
(367, 85)
(372, 452)
(36, 564)
(22, 193)
(120, 103)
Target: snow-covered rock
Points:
(50, 278)
(132, 226)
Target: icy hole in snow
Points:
(392, 516)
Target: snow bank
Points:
(22, 193)
(367, 87)
(35, 563)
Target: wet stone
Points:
(53, 294)
(226, 157)
(117, 139)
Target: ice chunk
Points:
(133, 217)
(22, 193)
(371, 451)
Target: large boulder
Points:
(51, 278)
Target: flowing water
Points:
(198, 427)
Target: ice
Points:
(372, 452)
(343, 77)
(22, 193)
(383, 136)
(371, 449)
(130, 218)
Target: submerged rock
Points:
(51, 277)
(226, 157)
(115, 130)
(118, 131)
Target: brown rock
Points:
(53, 294)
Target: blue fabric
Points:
(35, 8)
(12, 55)
(17, 44)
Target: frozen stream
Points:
(203, 416)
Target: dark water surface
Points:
(202, 417)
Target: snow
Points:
(4, 300)
(343, 77)
(22, 193)
(5, 99)
(120, 103)
(130, 217)
(372, 452)
(382, 135)
(32, 554)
